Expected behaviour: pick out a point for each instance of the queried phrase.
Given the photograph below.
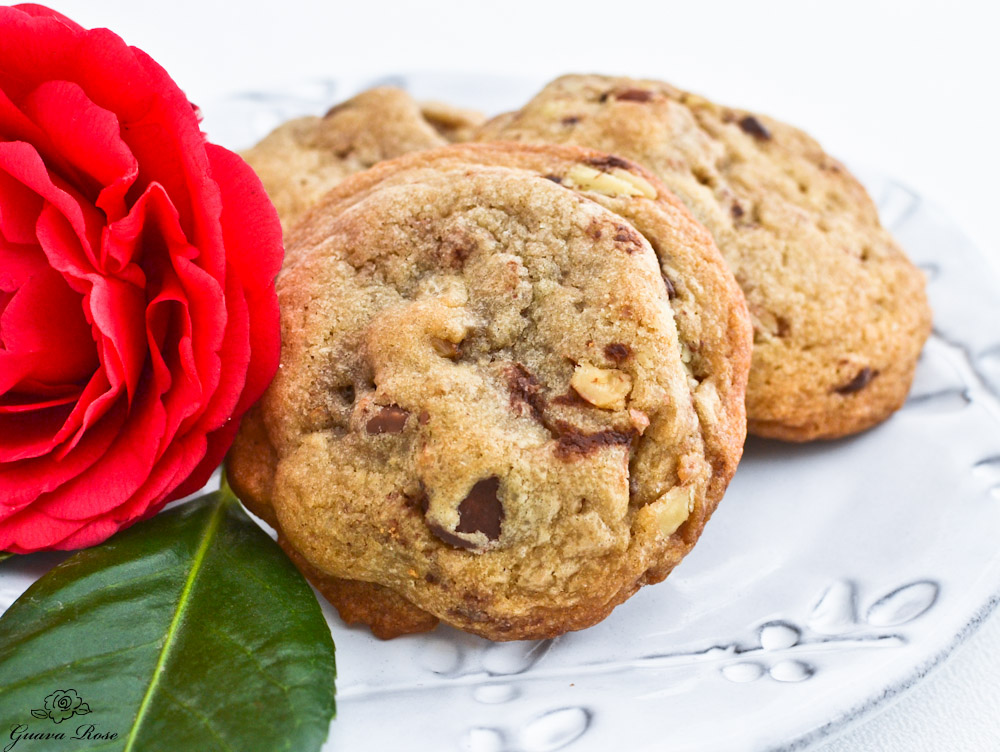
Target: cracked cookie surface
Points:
(496, 405)
(302, 159)
(839, 314)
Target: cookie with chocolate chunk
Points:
(839, 313)
(304, 158)
(497, 407)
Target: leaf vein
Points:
(196, 564)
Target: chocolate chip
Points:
(571, 120)
(573, 442)
(736, 211)
(859, 382)
(423, 418)
(751, 125)
(390, 419)
(553, 178)
(671, 290)
(634, 95)
(608, 162)
(617, 352)
(481, 511)
(525, 390)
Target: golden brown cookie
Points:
(496, 406)
(304, 158)
(839, 313)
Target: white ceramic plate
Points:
(833, 576)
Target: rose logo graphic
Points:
(62, 704)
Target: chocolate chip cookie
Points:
(304, 158)
(497, 405)
(839, 313)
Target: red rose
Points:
(138, 318)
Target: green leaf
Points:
(189, 631)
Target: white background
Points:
(907, 88)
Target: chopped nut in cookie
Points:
(616, 183)
(606, 388)
(673, 509)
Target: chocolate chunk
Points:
(450, 538)
(571, 120)
(617, 352)
(553, 178)
(625, 234)
(784, 326)
(573, 442)
(736, 211)
(634, 95)
(608, 162)
(423, 418)
(671, 290)
(481, 511)
(525, 390)
(390, 419)
(751, 125)
(572, 397)
(859, 382)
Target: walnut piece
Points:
(616, 183)
(602, 387)
(673, 508)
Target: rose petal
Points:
(23, 163)
(19, 210)
(116, 476)
(18, 263)
(88, 138)
(25, 403)
(96, 399)
(27, 435)
(40, 11)
(115, 306)
(23, 481)
(50, 49)
(254, 253)
(62, 335)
